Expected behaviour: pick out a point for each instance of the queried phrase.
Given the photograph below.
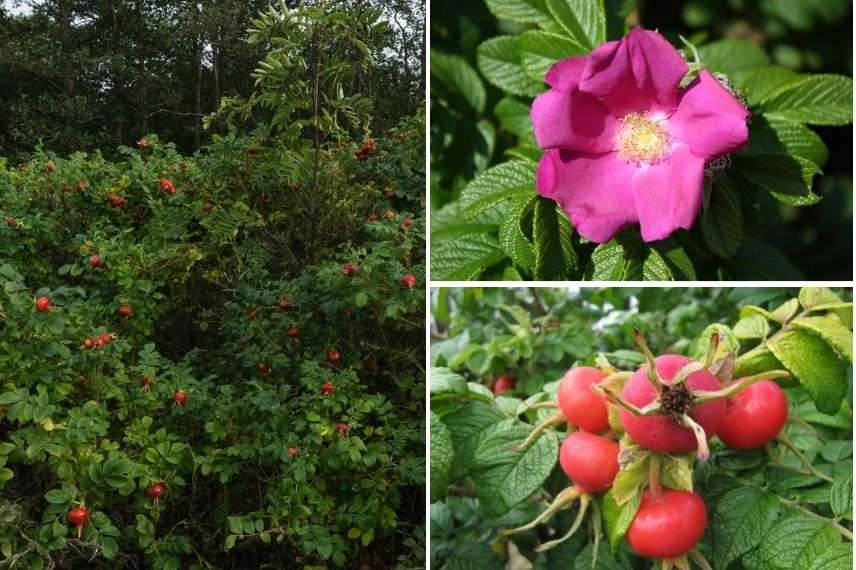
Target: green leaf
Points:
(499, 61)
(740, 520)
(781, 136)
(506, 181)
(469, 425)
(787, 178)
(758, 83)
(834, 558)
(583, 20)
(608, 262)
(503, 476)
(757, 261)
(444, 382)
(722, 219)
(630, 479)
(731, 55)
(539, 50)
(464, 258)
(513, 115)
(442, 457)
(752, 327)
(555, 258)
(814, 296)
(829, 328)
(617, 518)
(513, 237)
(522, 11)
(459, 76)
(816, 99)
(679, 263)
(841, 495)
(815, 365)
(755, 362)
(797, 540)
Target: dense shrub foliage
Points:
(216, 361)
(498, 357)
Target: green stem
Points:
(781, 438)
(584, 503)
(562, 500)
(703, 452)
(649, 410)
(554, 420)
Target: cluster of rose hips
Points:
(365, 149)
(100, 340)
(671, 405)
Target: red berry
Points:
(264, 369)
(81, 185)
(292, 451)
(104, 339)
(253, 150)
(167, 186)
(342, 428)
(294, 332)
(146, 383)
(79, 516)
(373, 217)
(334, 356)
(95, 261)
(407, 222)
(142, 144)
(50, 166)
(180, 398)
(66, 189)
(389, 214)
(88, 343)
(659, 433)
(43, 304)
(10, 221)
(349, 269)
(667, 526)
(284, 304)
(389, 194)
(580, 404)
(503, 383)
(754, 416)
(408, 281)
(206, 208)
(591, 461)
(125, 310)
(155, 491)
(327, 388)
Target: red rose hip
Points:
(590, 460)
(755, 416)
(668, 525)
(43, 304)
(580, 404)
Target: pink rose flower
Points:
(625, 144)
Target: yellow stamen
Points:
(642, 140)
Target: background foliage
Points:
(233, 261)
(763, 219)
(93, 74)
(478, 484)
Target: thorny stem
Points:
(649, 410)
(584, 503)
(654, 476)
(597, 524)
(711, 349)
(781, 438)
(653, 377)
(541, 405)
(562, 500)
(703, 396)
(554, 420)
(699, 559)
(703, 452)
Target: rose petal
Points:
(636, 74)
(572, 120)
(668, 194)
(709, 119)
(594, 190)
(565, 74)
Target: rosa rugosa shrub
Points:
(176, 403)
(740, 455)
(591, 140)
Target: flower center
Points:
(642, 140)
